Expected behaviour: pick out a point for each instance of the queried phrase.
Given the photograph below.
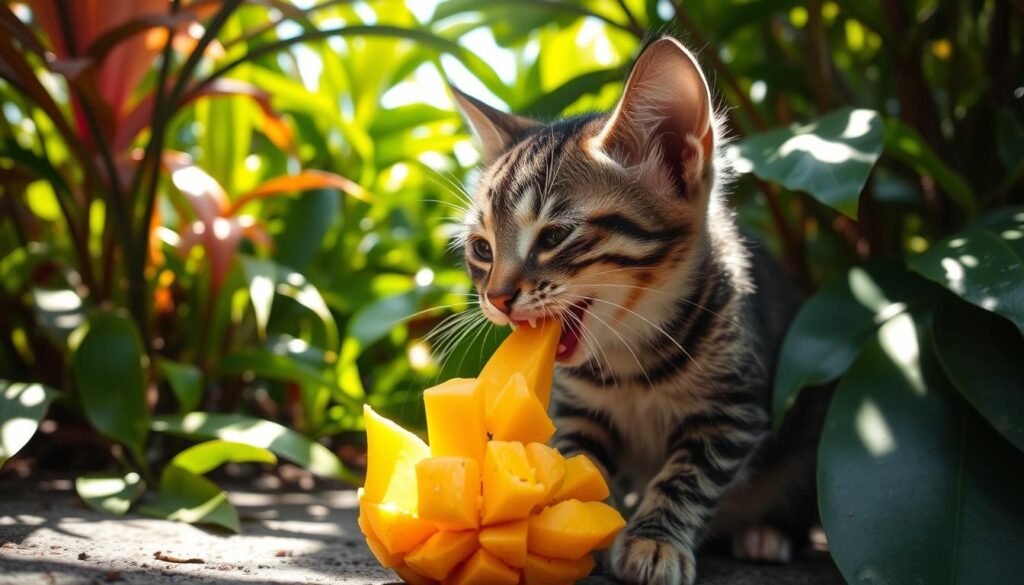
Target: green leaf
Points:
(374, 321)
(187, 497)
(205, 457)
(257, 433)
(981, 353)
(914, 487)
(262, 277)
(22, 406)
(306, 223)
(983, 264)
(107, 369)
(905, 144)
(113, 493)
(186, 382)
(272, 365)
(832, 327)
(829, 158)
(267, 278)
(553, 102)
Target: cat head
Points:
(596, 220)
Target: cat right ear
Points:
(494, 130)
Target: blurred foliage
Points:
(229, 222)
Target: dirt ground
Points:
(48, 537)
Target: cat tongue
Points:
(571, 332)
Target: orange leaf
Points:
(303, 181)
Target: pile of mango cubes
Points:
(487, 502)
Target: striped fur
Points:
(669, 389)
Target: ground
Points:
(47, 536)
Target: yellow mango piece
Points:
(529, 350)
(399, 531)
(391, 458)
(483, 568)
(449, 492)
(519, 415)
(412, 577)
(380, 552)
(455, 419)
(507, 542)
(571, 529)
(436, 557)
(583, 481)
(549, 467)
(510, 487)
(544, 571)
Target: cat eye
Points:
(482, 250)
(552, 236)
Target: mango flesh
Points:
(462, 400)
(571, 529)
(436, 557)
(529, 351)
(507, 542)
(483, 568)
(391, 455)
(449, 492)
(398, 530)
(510, 487)
(544, 571)
(583, 481)
(410, 576)
(549, 467)
(380, 552)
(519, 414)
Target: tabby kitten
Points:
(616, 225)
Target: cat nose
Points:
(502, 299)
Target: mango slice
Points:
(392, 455)
(544, 571)
(519, 415)
(399, 531)
(510, 487)
(583, 481)
(507, 542)
(571, 529)
(483, 568)
(410, 576)
(549, 467)
(529, 350)
(449, 492)
(436, 557)
(461, 400)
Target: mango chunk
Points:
(510, 487)
(410, 576)
(549, 467)
(583, 481)
(544, 571)
(380, 552)
(529, 350)
(455, 419)
(399, 531)
(519, 414)
(391, 458)
(507, 542)
(483, 568)
(436, 557)
(571, 529)
(449, 492)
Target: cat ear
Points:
(494, 130)
(663, 123)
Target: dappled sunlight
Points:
(858, 124)
(899, 339)
(824, 150)
(873, 430)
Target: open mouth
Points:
(572, 331)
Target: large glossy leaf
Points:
(187, 497)
(22, 407)
(982, 355)
(829, 158)
(113, 493)
(984, 264)
(205, 457)
(307, 222)
(257, 433)
(107, 369)
(377, 319)
(914, 486)
(832, 327)
(185, 381)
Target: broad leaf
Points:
(22, 407)
(187, 497)
(205, 457)
(257, 433)
(984, 264)
(981, 353)
(914, 486)
(377, 319)
(113, 493)
(267, 278)
(107, 369)
(186, 382)
(902, 142)
(832, 327)
(829, 158)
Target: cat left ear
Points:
(663, 122)
(494, 130)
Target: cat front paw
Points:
(645, 561)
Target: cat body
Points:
(672, 321)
